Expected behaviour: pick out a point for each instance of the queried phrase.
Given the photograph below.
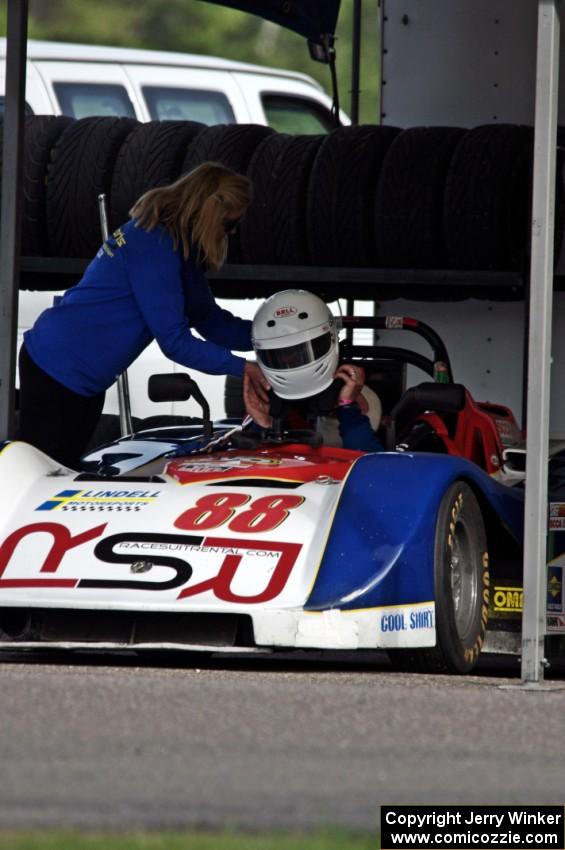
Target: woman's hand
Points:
(354, 380)
(255, 398)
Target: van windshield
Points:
(179, 104)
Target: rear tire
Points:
(461, 581)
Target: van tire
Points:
(233, 145)
(274, 229)
(341, 196)
(409, 205)
(487, 198)
(81, 169)
(152, 155)
(41, 133)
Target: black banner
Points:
(472, 827)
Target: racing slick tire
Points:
(340, 216)
(488, 198)
(274, 229)
(152, 155)
(461, 582)
(233, 145)
(409, 204)
(81, 168)
(41, 133)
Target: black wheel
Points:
(274, 229)
(461, 580)
(341, 196)
(487, 198)
(41, 133)
(151, 156)
(233, 145)
(409, 205)
(81, 168)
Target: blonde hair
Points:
(194, 207)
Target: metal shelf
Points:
(252, 281)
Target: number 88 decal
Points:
(216, 509)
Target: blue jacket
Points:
(356, 431)
(138, 288)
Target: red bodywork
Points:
(481, 432)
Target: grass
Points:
(319, 840)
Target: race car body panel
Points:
(386, 518)
(317, 548)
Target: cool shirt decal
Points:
(122, 549)
(99, 500)
(403, 621)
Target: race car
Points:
(229, 538)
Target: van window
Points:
(174, 104)
(80, 100)
(296, 114)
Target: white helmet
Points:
(295, 339)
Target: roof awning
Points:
(311, 18)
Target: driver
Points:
(295, 339)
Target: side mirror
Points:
(514, 463)
(178, 386)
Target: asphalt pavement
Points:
(303, 743)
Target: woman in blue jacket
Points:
(147, 282)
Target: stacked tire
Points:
(363, 196)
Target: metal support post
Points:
(124, 405)
(539, 350)
(356, 62)
(10, 212)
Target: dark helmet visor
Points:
(294, 356)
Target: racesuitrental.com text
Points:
(478, 827)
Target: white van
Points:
(82, 80)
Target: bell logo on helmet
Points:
(283, 312)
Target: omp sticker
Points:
(507, 600)
(99, 500)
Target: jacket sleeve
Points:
(155, 274)
(355, 429)
(222, 327)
